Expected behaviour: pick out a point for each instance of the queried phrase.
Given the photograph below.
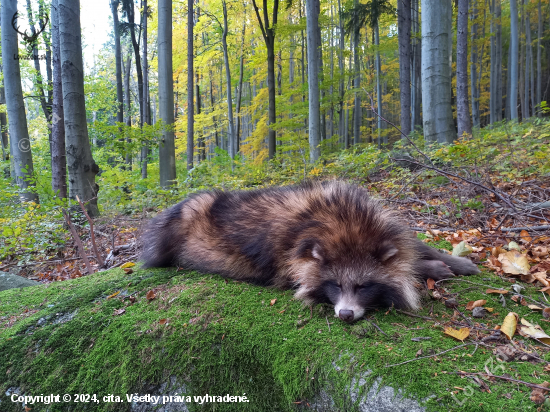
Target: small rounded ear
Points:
(386, 251)
(311, 248)
(317, 252)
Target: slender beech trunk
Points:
(240, 92)
(313, 80)
(462, 106)
(59, 160)
(268, 33)
(128, 120)
(473, 67)
(341, 67)
(356, 85)
(20, 147)
(128, 6)
(527, 60)
(118, 62)
(190, 62)
(81, 165)
(167, 150)
(539, 64)
(378, 85)
(146, 114)
(404, 35)
(436, 76)
(231, 127)
(513, 59)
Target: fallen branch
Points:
(436, 354)
(96, 251)
(532, 385)
(78, 242)
(527, 228)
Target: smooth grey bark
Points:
(473, 68)
(492, 64)
(190, 72)
(378, 85)
(128, 7)
(45, 98)
(341, 68)
(539, 64)
(232, 146)
(436, 74)
(532, 70)
(167, 149)
(356, 86)
(513, 59)
(128, 120)
(118, 62)
(404, 38)
(313, 80)
(498, 58)
(146, 114)
(416, 88)
(240, 92)
(81, 165)
(268, 33)
(20, 147)
(527, 112)
(331, 90)
(59, 160)
(3, 121)
(462, 105)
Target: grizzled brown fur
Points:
(329, 241)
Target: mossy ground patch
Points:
(222, 337)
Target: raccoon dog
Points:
(329, 241)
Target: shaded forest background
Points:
(234, 94)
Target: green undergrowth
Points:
(208, 335)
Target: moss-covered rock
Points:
(168, 332)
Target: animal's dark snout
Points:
(346, 315)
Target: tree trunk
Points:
(513, 60)
(356, 85)
(146, 114)
(436, 76)
(268, 33)
(59, 163)
(240, 92)
(128, 6)
(45, 101)
(527, 66)
(462, 107)
(539, 48)
(313, 80)
(341, 62)
(81, 165)
(128, 71)
(473, 69)
(20, 146)
(118, 62)
(231, 127)
(167, 150)
(378, 85)
(404, 35)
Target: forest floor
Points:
(475, 345)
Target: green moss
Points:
(225, 337)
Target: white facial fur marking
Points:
(347, 302)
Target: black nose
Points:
(346, 315)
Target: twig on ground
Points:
(377, 327)
(98, 256)
(328, 323)
(434, 355)
(532, 385)
(78, 242)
